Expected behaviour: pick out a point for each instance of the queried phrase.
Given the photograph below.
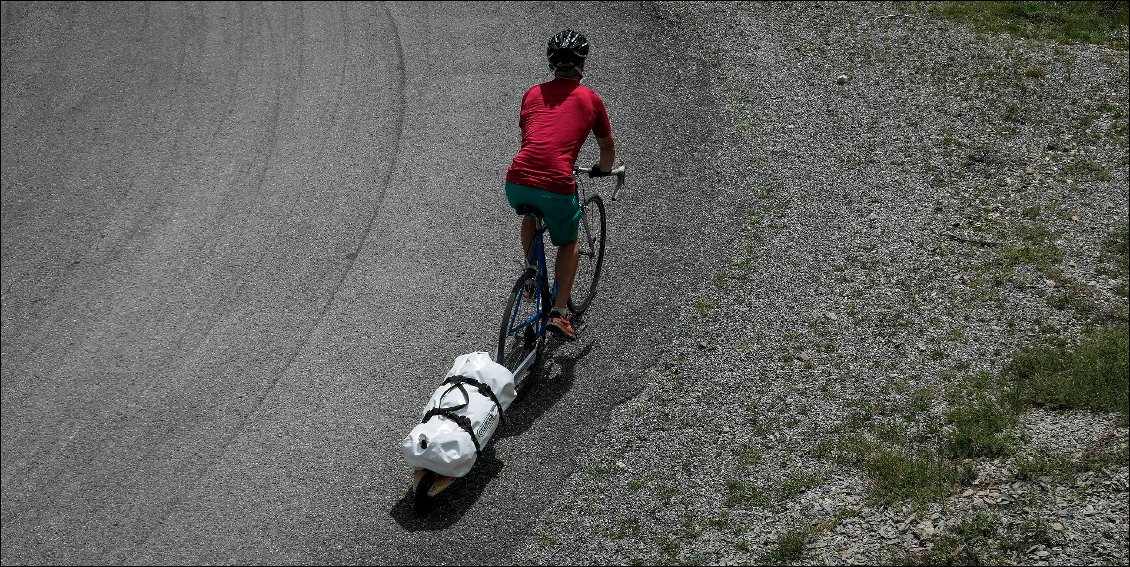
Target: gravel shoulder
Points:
(885, 164)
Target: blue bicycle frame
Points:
(542, 297)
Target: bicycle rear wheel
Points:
(518, 337)
(590, 244)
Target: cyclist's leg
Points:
(563, 227)
(561, 321)
(566, 270)
(562, 218)
(528, 232)
(520, 195)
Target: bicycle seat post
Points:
(539, 223)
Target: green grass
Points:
(900, 474)
(949, 550)
(691, 529)
(984, 411)
(1092, 375)
(981, 423)
(626, 527)
(961, 546)
(921, 400)
(602, 471)
(1064, 22)
(1063, 468)
(1028, 533)
(1116, 250)
(544, 540)
(1037, 247)
(742, 494)
(1115, 256)
(801, 480)
(978, 526)
(704, 306)
(964, 545)
(1085, 168)
(668, 545)
(1071, 294)
(667, 493)
(790, 547)
(749, 454)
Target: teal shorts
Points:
(562, 213)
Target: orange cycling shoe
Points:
(562, 324)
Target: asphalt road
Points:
(242, 243)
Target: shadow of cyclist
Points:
(544, 392)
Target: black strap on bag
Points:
(482, 388)
(457, 383)
(460, 420)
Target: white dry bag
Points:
(460, 417)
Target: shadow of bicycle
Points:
(449, 506)
(558, 375)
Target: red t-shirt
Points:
(556, 118)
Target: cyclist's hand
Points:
(595, 171)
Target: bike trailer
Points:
(460, 417)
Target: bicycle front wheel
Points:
(590, 254)
(521, 337)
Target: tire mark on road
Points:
(351, 259)
(228, 440)
(174, 503)
(163, 176)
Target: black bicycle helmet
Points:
(567, 49)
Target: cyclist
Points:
(556, 119)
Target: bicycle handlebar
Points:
(620, 173)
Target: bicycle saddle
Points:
(529, 210)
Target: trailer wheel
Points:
(420, 498)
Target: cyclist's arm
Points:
(607, 152)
